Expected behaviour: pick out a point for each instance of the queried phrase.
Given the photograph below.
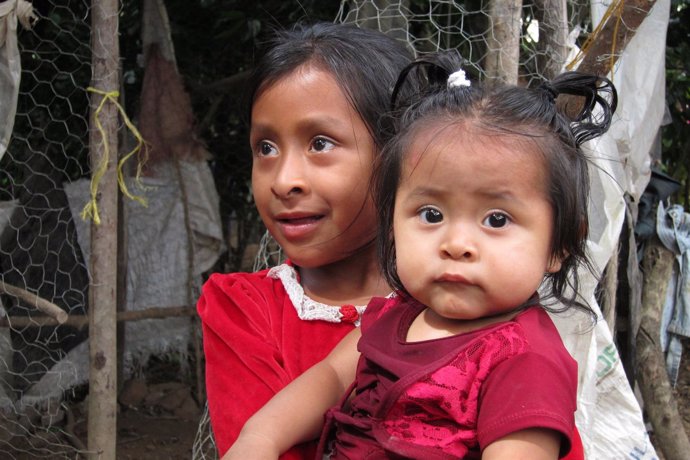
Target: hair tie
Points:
(549, 90)
(458, 78)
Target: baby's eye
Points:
(321, 144)
(265, 149)
(430, 215)
(496, 220)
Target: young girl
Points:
(482, 198)
(315, 102)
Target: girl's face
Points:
(472, 222)
(313, 157)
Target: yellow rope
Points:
(91, 208)
(619, 16)
(614, 8)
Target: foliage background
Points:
(675, 159)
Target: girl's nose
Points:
(290, 179)
(458, 245)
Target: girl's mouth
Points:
(299, 220)
(298, 227)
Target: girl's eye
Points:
(496, 220)
(430, 216)
(321, 144)
(265, 149)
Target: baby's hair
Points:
(504, 110)
(365, 64)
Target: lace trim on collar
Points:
(311, 310)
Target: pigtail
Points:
(594, 92)
(424, 76)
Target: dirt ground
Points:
(143, 436)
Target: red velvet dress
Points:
(255, 344)
(449, 398)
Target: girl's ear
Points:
(555, 263)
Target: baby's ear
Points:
(555, 263)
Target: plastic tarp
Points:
(609, 416)
(11, 11)
(157, 253)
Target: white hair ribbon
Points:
(458, 78)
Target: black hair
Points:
(365, 63)
(505, 110)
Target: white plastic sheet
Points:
(11, 12)
(609, 416)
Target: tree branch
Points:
(49, 308)
(650, 369)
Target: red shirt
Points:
(451, 397)
(255, 344)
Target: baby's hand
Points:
(254, 446)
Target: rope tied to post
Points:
(91, 208)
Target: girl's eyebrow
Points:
(315, 122)
(323, 121)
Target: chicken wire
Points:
(39, 243)
(39, 252)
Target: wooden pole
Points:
(503, 42)
(102, 406)
(553, 36)
(650, 370)
(616, 32)
(81, 321)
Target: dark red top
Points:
(451, 397)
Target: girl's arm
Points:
(530, 444)
(296, 414)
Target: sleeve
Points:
(528, 391)
(376, 307)
(243, 361)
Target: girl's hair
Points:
(506, 111)
(365, 64)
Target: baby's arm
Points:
(530, 444)
(296, 413)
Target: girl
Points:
(315, 101)
(482, 197)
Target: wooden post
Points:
(614, 36)
(102, 406)
(660, 402)
(503, 42)
(553, 36)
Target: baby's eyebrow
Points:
(427, 191)
(497, 193)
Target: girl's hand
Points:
(254, 446)
(532, 444)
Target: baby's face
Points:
(472, 222)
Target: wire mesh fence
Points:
(39, 251)
(44, 243)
